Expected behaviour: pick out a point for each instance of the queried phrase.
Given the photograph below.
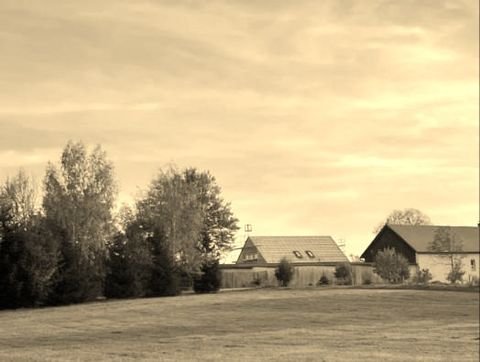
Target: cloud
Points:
(315, 117)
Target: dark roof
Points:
(274, 248)
(419, 237)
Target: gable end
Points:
(387, 238)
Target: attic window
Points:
(310, 254)
(251, 256)
(297, 254)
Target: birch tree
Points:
(78, 202)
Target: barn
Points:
(311, 256)
(414, 242)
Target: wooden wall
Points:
(304, 275)
(387, 238)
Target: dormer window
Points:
(297, 254)
(251, 257)
(310, 254)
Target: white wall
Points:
(439, 265)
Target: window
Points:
(251, 256)
(473, 264)
(310, 254)
(297, 254)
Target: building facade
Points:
(311, 257)
(417, 244)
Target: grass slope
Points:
(270, 325)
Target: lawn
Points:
(255, 325)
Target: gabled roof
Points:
(419, 237)
(231, 256)
(274, 248)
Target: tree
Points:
(209, 280)
(284, 272)
(343, 274)
(78, 202)
(218, 224)
(218, 228)
(405, 217)
(174, 238)
(391, 266)
(183, 210)
(173, 215)
(129, 262)
(446, 242)
(28, 255)
(20, 194)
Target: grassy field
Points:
(255, 325)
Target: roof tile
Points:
(274, 248)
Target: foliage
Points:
(456, 273)
(130, 261)
(209, 280)
(422, 276)
(166, 275)
(73, 251)
(405, 217)
(367, 278)
(446, 242)
(391, 266)
(219, 224)
(284, 272)
(184, 211)
(172, 214)
(257, 281)
(28, 255)
(343, 274)
(473, 281)
(323, 280)
(78, 204)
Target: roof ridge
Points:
(291, 236)
(451, 226)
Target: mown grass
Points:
(255, 325)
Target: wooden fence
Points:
(243, 276)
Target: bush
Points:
(323, 280)
(422, 277)
(210, 279)
(284, 272)
(367, 278)
(256, 282)
(28, 266)
(391, 266)
(343, 274)
(456, 274)
(473, 281)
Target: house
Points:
(311, 257)
(296, 249)
(414, 242)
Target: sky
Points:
(315, 117)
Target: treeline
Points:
(74, 248)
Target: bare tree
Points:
(19, 194)
(444, 241)
(404, 217)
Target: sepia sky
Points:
(316, 117)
